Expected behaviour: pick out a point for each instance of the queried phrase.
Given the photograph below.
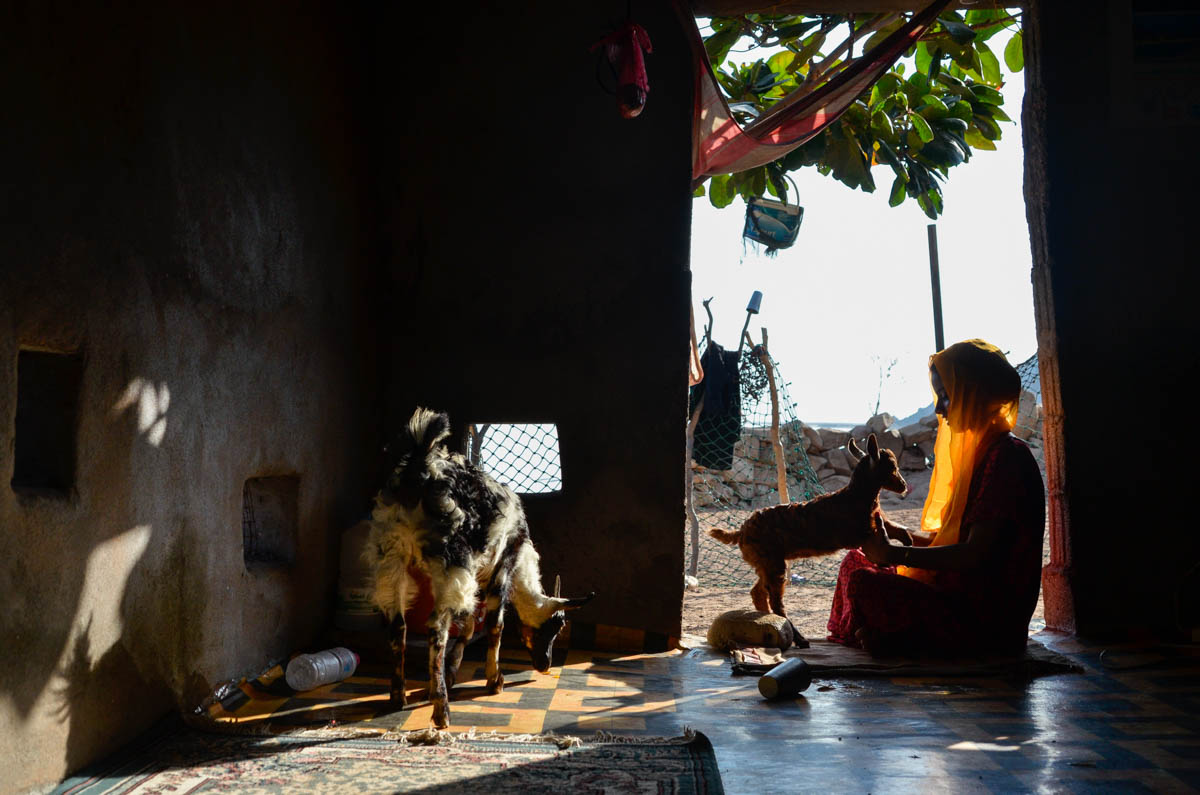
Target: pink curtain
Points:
(720, 145)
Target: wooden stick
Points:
(693, 519)
(780, 461)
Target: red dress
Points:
(986, 609)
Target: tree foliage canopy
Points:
(920, 124)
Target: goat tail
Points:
(724, 536)
(427, 429)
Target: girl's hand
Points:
(877, 548)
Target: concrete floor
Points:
(1129, 722)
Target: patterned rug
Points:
(183, 760)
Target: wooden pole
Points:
(693, 519)
(776, 444)
(935, 281)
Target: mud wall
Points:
(260, 236)
(538, 248)
(1108, 186)
(184, 211)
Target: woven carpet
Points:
(828, 660)
(185, 760)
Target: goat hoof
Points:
(441, 717)
(398, 699)
(496, 686)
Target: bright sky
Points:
(853, 293)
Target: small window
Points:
(523, 457)
(269, 520)
(47, 418)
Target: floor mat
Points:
(186, 760)
(827, 659)
(585, 691)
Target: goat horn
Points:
(557, 585)
(571, 604)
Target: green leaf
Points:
(978, 20)
(719, 195)
(921, 127)
(942, 153)
(720, 43)
(988, 128)
(790, 32)
(757, 184)
(958, 31)
(780, 61)
(951, 124)
(996, 113)
(898, 191)
(991, 65)
(926, 204)
(877, 99)
(962, 110)
(1014, 53)
(950, 81)
(888, 84)
(881, 125)
(811, 48)
(976, 140)
(923, 57)
(932, 107)
(919, 83)
(987, 94)
(699, 191)
(885, 155)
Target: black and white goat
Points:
(445, 516)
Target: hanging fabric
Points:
(720, 423)
(721, 145)
(695, 369)
(625, 49)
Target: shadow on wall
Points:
(70, 602)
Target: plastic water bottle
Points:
(308, 671)
(785, 680)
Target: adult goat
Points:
(446, 517)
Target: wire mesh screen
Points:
(523, 457)
(734, 471)
(1029, 414)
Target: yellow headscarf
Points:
(984, 391)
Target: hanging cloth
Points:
(720, 425)
(721, 145)
(695, 369)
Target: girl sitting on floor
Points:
(969, 583)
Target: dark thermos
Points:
(785, 680)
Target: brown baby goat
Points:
(840, 520)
